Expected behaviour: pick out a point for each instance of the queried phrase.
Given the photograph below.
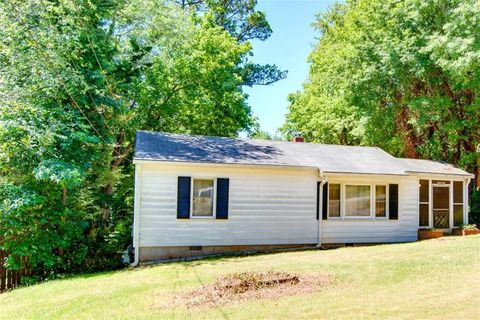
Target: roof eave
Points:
(465, 175)
(179, 162)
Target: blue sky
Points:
(289, 46)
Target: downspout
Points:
(467, 200)
(320, 206)
(136, 215)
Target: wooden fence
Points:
(10, 279)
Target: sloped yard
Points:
(435, 279)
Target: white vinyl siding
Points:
(267, 206)
(376, 229)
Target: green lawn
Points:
(435, 279)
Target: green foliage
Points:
(474, 215)
(78, 78)
(468, 227)
(243, 22)
(401, 75)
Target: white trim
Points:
(328, 203)
(423, 202)
(430, 203)
(372, 216)
(136, 214)
(465, 199)
(406, 173)
(320, 209)
(346, 217)
(227, 165)
(387, 201)
(214, 198)
(458, 203)
(450, 205)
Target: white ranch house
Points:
(198, 195)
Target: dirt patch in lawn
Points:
(253, 285)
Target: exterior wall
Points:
(362, 230)
(266, 207)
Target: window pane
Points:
(424, 186)
(381, 201)
(457, 192)
(334, 200)
(457, 215)
(441, 199)
(357, 201)
(424, 217)
(202, 198)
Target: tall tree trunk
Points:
(407, 131)
(64, 204)
(119, 154)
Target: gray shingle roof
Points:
(160, 146)
(431, 167)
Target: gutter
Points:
(136, 215)
(320, 205)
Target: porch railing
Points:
(441, 219)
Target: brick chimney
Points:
(298, 138)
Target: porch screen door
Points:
(441, 207)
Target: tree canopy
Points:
(401, 75)
(78, 78)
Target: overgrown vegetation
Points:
(77, 79)
(401, 75)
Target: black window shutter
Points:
(393, 201)
(318, 200)
(324, 201)
(223, 188)
(183, 198)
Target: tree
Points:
(401, 75)
(78, 79)
(241, 20)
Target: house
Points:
(198, 195)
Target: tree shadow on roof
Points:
(203, 149)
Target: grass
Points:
(434, 279)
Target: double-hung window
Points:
(334, 200)
(203, 197)
(380, 201)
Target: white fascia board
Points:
(212, 164)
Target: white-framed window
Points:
(358, 201)
(458, 203)
(334, 200)
(424, 203)
(203, 198)
(381, 201)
